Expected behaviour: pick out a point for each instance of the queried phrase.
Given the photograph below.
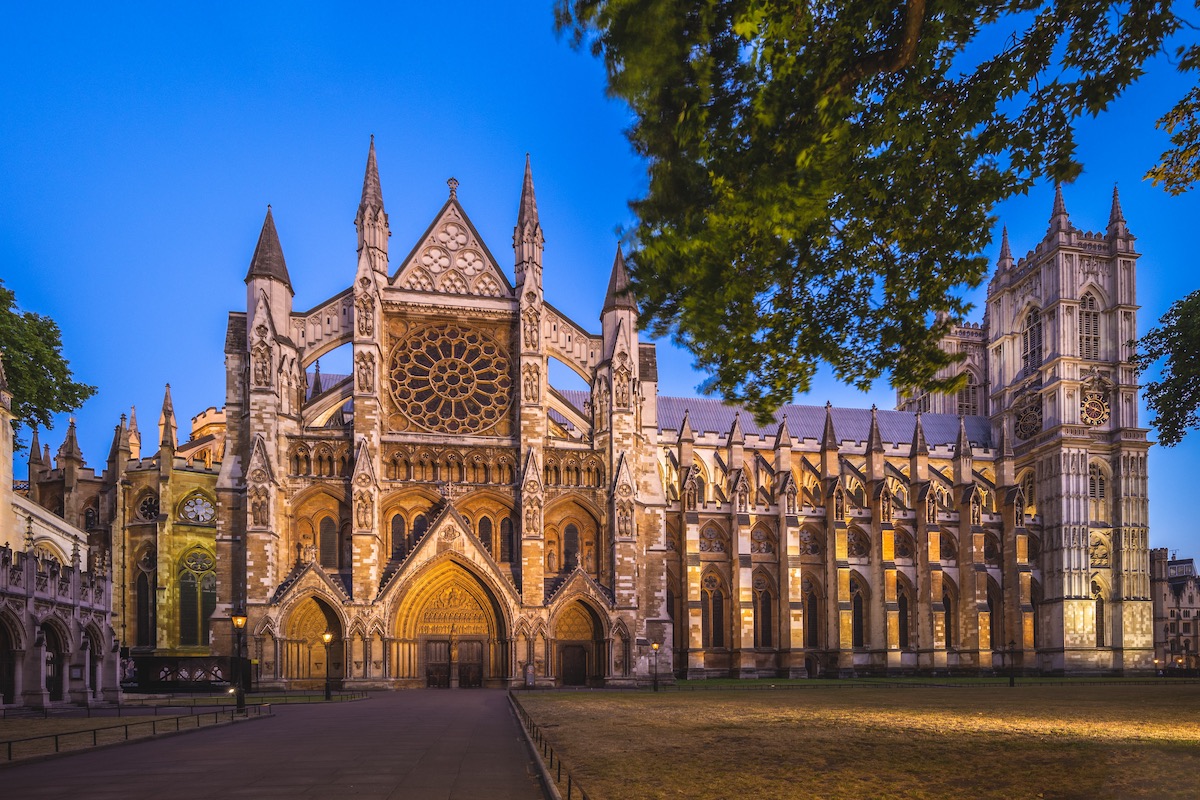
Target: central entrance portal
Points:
(450, 631)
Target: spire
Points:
(1058, 216)
(35, 449)
(829, 441)
(874, 439)
(527, 213)
(1116, 217)
(618, 286)
(1006, 258)
(135, 436)
(1006, 449)
(962, 445)
(527, 235)
(70, 446)
(120, 441)
(782, 437)
(919, 446)
(685, 429)
(166, 421)
(371, 222)
(737, 441)
(372, 193)
(267, 261)
(316, 383)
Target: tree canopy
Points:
(1174, 398)
(821, 175)
(38, 376)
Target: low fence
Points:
(552, 763)
(109, 734)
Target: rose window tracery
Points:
(198, 508)
(450, 378)
(148, 507)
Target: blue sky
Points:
(140, 146)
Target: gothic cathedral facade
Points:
(449, 518)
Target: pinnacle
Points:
(1005, 250)
(527, 213)
(618, 295)
(372, 193)
(267, 261)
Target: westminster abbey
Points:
(450, 518)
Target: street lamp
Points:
(1012, 663)
(328, 637)
(655, 647)
(238, 618)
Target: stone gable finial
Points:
(453, 184)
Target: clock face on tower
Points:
(1093, 409)
(1029, 416)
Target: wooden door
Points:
(470, 665)
(574, 665)
(437, 664)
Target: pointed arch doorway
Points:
(451, 632)
(305, 652)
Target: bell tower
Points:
(1058, 322)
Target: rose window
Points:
(198, 508)
(148, 508)
(450, 378)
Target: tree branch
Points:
(895, 58)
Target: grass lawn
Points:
(1056, 741)
(16, 735)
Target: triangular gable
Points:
(451, 533)
(451, 258)
(310, 577)
(364, 465)
(260, 461)
(577, 583)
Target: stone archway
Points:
(450, 632)
(304, 650)
(579, 646)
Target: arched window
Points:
(570, 548)
(858, 611)
(1029, 489)
(763, 618)
(994, 618)
(812, 618)
(197, 596)
(903, 621)
(398, 533)
(968, 397)
(1097, 494)
(712, 612)
(89, 519)
(1100, 623)
(1031, 343)
(327, 544)
(506, 540)
(145, 611)
(485, 533)
(1089, 328)
(420, 525)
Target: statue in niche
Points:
(529, 383)
(976, 511)
(261, 359)
(364, 509)
(531, 521)
(791, 498)
(625, 519)
(552, 561)
(366, 371)
(529, 327)
(365, 314)
(743, 497)
(621, 386)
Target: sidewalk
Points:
(415, 745)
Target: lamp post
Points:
(1157, 671)
(1012, 663)
(655, 678)
(238, 618)
(328, 637)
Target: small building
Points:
(1176, 592)
(56, 635)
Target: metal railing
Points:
(92, 737)
(552, 762)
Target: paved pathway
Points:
(416, 745)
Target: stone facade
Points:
(453, 519)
